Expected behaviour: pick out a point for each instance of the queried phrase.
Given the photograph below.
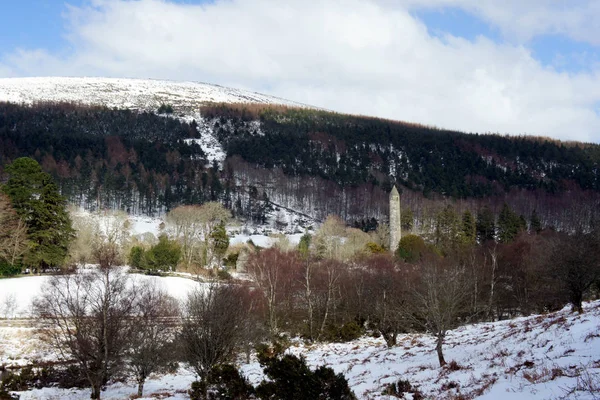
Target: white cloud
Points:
(524, 19)
(368, 57)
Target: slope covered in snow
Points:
(185, 97)
(553, 356)
(138, 94)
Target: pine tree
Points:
(219, 241)
(469, 228)
(509, 224)
(447, 229)
(535, 224)
(304, 245)
(36, 199)
(486, 227)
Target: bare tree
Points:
(440, 298)
(156, 315)
(273, 272)
(95, 229)
(213, 325)
(577, 265)
(385, 297)
(192, 226)
(86, 317)
(331, 272)
(9, 304)
(87, 232)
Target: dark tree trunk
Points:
(438, 348)
(577, 304)
(389, 337)
(140, 388)
(95, 392)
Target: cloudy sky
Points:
(510, 66)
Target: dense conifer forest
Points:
(303, 159)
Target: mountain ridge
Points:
(131, 93)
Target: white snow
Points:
(24, 289)
(551, 356)
(141, 94)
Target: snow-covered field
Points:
(21, 291)
(554, 356)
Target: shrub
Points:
(374, 248)
(346, 333)
(164, 255)
(223, 275)
(291, 379)
(402, 387)
(39, 377)
(231, 260)
(137, 257)
(7, 269)
(5, 395)
(224, 382)
(165, 109)
(411, 248)
(350, 331)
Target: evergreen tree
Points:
(304, 245)
(509, 224)
(137, 257)
(36, 199)
(164, 255)
(486, 227)
(219, 241)
(535, 225)
(411, 248)
(447, 229)
(469, 228)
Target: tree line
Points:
(351, 150)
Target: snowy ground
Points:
(21, 291)
(263, 236)
(141, 94)
(554, 356)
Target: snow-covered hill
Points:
(138, 94)
(185, 97)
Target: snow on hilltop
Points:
(143, 94)
(138, 94)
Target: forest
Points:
(316, 162)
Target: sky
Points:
(511, 66)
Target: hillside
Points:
(139, 94)
(107, 147)
(551, 356)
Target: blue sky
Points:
(557, 51)
(35, 24)
(511, 66)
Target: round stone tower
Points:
(395, 229)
